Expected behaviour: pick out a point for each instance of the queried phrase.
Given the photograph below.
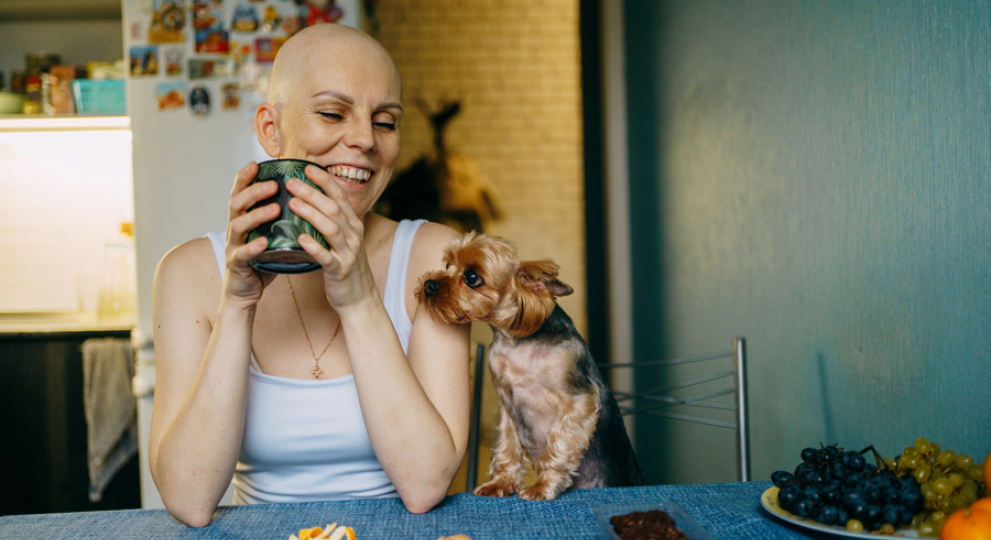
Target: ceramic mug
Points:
(284, 254)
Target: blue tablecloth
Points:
(725, 510)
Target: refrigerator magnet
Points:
(208, 15)
(245, 18)
(232, 97)
(173, 61)
(211, 41)
(266, 48)
(206, 68)
(170, 95)
(271, 20)
(167, 21)
(144, 60)
(199, 101)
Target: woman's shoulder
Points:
(429, 244)
(194, 261)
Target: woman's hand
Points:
(243, 284)
(347, 276)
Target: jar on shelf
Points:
(118, 285)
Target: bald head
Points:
(316, 48)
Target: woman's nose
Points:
(360, 135)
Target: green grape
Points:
(937, 474)
(928, 529)
(964, 462)
(943, 486)
(938, 518)
(958, 502)
(945, 504)
(977, 473)
(969, 486)
(854, 525)
(889, 462)
(911, 452)
(921, 445)
(946, 457)
(910, 463)
(956, 479)
(934, 448)
(922, 473)
(928, 493)
(917, 520)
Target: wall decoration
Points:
(291, 25)
(137, 31)
(144, 60)
(241, 52)
(173, 61)
(208, 15)
(244, 19)
(199, 101)
(206, 68)
(272, 19)
(170, 95)
(266, 48)
(167, 22)
(321, 11)
(211, 41)
(232, 97)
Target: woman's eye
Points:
(472, 279)
(385, 125)
(333, 116)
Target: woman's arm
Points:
(202, 353)
(418, 418)
(415, 409)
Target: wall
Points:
(515, 66)
(814, 176)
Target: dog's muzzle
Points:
(430, 288)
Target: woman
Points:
(237, 351)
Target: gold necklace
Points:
(316, 359)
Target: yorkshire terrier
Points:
(553, 401)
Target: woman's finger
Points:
(325, 181)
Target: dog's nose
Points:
(430, 287)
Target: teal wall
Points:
(816, 177)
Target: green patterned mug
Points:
(284, 254)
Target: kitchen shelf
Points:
(19, 123)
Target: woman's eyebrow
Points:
(350, 101)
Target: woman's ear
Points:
(266, 128)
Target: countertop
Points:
(48, 325)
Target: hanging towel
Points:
(111, 413)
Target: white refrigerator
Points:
(186, 153)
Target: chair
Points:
(659, 398)
(476, 418)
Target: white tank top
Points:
(306, 440)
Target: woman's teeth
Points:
(353, 175)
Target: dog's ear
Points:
(542, 274)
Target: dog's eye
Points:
(472, 279)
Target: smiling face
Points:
(335, 100)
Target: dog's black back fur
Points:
(610, 460)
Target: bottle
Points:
(32, 105)
(118, 286)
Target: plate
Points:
(769, 500)
(681, 520)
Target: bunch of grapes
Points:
(840, 488)
(948, 482)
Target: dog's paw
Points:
(538, 492)
(495, 488)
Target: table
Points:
(729, 510)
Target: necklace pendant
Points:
(317, 372)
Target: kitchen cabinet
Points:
(43, 449)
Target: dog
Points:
(553, 401)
